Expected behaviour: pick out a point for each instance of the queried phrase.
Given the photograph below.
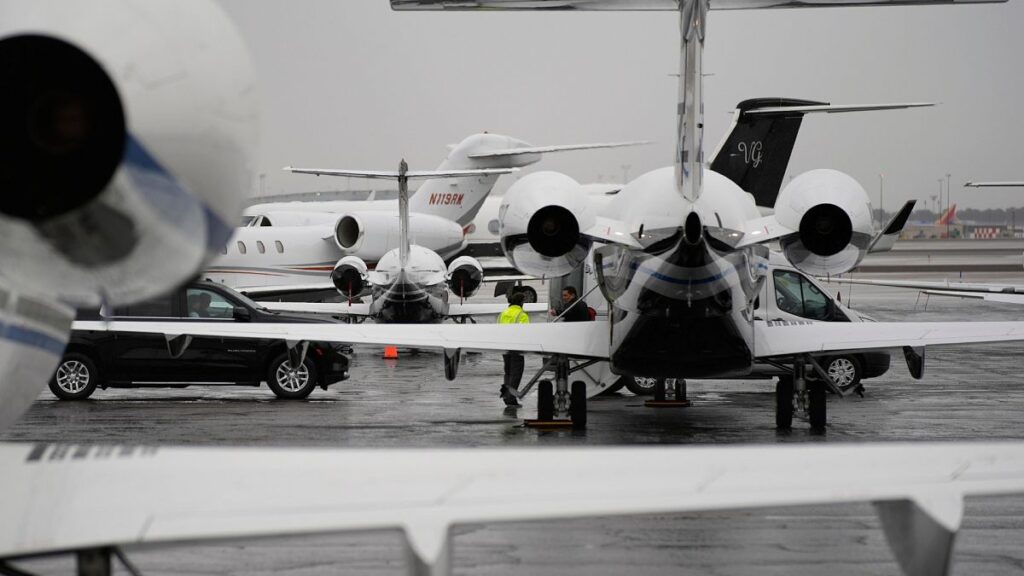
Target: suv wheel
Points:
(291, 383)
(75, 379)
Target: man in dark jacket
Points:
(574, 309)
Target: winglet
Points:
(428, 548)
(884, 240)
(921, 530)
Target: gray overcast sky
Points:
(351, 84)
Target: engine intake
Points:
(542, 221)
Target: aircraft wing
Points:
(332, 308)
(574, 339)
(987, 296)
(257, 292)
(943, 286)
(362, 309)
(560, 148)
(393, 175)
(789, 338)
(152, 496)
(995, 184)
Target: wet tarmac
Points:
(968, 393)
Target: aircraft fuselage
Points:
(682, 306)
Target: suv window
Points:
(158, 308)
(203, 303)
(795, 294)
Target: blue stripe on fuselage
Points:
(165, 194)
(31, 338)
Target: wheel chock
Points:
(391, 352)
(667, 403)
(547, 424)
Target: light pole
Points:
(949, 202)
(939, 220)
(881, 199)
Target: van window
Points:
(795, 294)
(261, 247)
(279, 246)
(241, 247)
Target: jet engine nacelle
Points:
(831, 213)
(370, 235)
(465, 275)
(350, 276)
(128, 134)
(542, 221)
(127, 144)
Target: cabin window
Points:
(279, 246)
(261, 247)
(241, 247)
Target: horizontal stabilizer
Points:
(883, 242)
(755, 152)
(833, 108)
(393, 174)
(995, 184)
(652, 5)
(547, 149)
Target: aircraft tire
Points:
(76, 377)
(290, 384)
(578, 405)
(817, 406)
(545, 400)
(784, 403)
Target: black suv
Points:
(109, 359)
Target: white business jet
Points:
(59, 57)
(294, 248)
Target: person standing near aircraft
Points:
(514, 361)
(572, 309)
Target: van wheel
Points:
(75, 379)
(291, 383)
(845, 371)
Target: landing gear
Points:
(661, 389)
(557, 404)
(578, 405)
(545, 401)
(817, 406)
(784, 403)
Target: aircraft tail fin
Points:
(947, 217)
(755, 153)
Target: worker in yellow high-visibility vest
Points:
(514, 361)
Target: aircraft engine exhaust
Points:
(465, 275)
(350, 276)
(832, 216)
(542, 222)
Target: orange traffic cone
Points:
(391, 352)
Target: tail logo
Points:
(446, 199)
(752, 153)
